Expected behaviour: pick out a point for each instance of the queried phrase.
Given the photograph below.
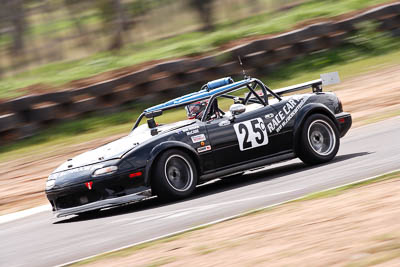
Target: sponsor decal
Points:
(204, 149)
(251, 133)
(191, 130)
(269, 116)
(198, 138)
(224, 123)
(286, 114)
(258, 92)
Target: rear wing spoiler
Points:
(316, 85)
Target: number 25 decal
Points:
(251, 134)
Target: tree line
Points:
(117, 16)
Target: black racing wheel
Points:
(174, 175)
(319, 140)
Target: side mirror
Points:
(237, 109)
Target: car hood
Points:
(119, 147)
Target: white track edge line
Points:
(24, 213)
(223, 219)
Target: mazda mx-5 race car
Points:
(231, 127)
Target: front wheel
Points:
(319, 140)
(174, 176)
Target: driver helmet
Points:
(195, 110)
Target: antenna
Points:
(244, 71)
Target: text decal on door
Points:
(251, 134)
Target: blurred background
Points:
(75, 74)
(36, 32)
(66, 59)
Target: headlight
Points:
(50, 184)
(105, 170)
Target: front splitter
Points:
(102, 204)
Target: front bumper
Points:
(103, 192)
(344, 121)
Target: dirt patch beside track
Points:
(367, 97)
(356, 228)
(371, 96)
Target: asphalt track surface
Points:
(41, 240)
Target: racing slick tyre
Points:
(174, 176)
(319, 140)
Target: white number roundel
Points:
(251, 133)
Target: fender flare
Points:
(160, 148)
(306, 111)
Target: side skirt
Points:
(248, 166)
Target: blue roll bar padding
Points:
(190, 98)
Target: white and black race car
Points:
(231, 127)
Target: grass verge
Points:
(323, 194)
(193, 43)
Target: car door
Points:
(242, 140)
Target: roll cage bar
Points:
(251, 84)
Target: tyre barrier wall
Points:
(24, 116)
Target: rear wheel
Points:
(174, 176)
(319, 140)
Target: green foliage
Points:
(142, 7)
(371, 40)
(193, 43)
(369, 48)
(367, 43)
(349, 60)
(106, 9)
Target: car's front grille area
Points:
(76, 199)
(79, 194)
